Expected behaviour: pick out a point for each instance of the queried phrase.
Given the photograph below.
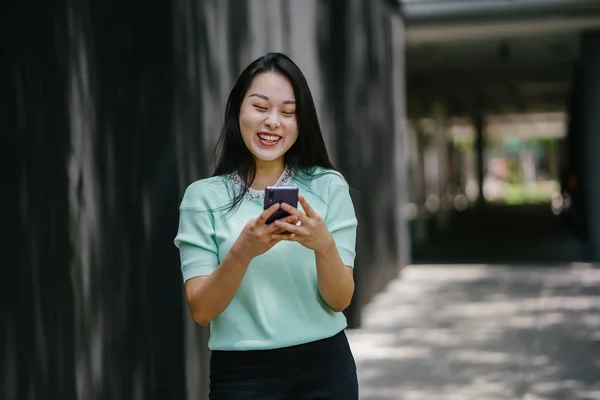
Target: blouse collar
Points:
(255, 194)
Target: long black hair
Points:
(307, 153)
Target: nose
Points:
(272, 121)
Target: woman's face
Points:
(268, 116)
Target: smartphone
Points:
(280, 194)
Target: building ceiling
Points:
(505, 62)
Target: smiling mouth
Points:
(268, 138)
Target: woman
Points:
(272, 294)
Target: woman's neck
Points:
(267, 173)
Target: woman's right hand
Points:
(257, 237)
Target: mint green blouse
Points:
(278, 302)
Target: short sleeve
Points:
(196, 240)
(341, 220)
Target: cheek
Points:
(291, 125)
(248, 121)
(295, 133)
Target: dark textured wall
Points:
(110, 110)
(361, 53)
(590, 129)
(94, 310)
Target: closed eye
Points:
(261, 108)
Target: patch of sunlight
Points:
(539, 361)
(432, 336)
(523, 321)
(513, 306)
(551, 387)
(361, 338)
(571, 389)
(476, 332)
(371, 373)
(480, 356)
(531, 396)
(389, 315)
(479, 389)
(588, 395)
(458, 272)
(592, 321)
(390, 352)
(568, 303)
(549, 319)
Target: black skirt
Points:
(320, 370)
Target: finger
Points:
(291, 209)
(275, 228)
(307, 208)
(300, 230)
(264, 216)
(301, 214)
(290, 219)
(284, 236)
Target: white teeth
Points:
(271, 138)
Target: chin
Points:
(267, 156)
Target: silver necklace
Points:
(259, 195)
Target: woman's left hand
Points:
(312, 232)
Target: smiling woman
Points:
(268, 116)
(273, 293)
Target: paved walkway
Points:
(482, 333)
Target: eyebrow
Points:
(262, 96)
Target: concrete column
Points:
(572, 159)
(479, 154)
(401, 141)
(590, 124)
(420, 189)
(440, 120)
